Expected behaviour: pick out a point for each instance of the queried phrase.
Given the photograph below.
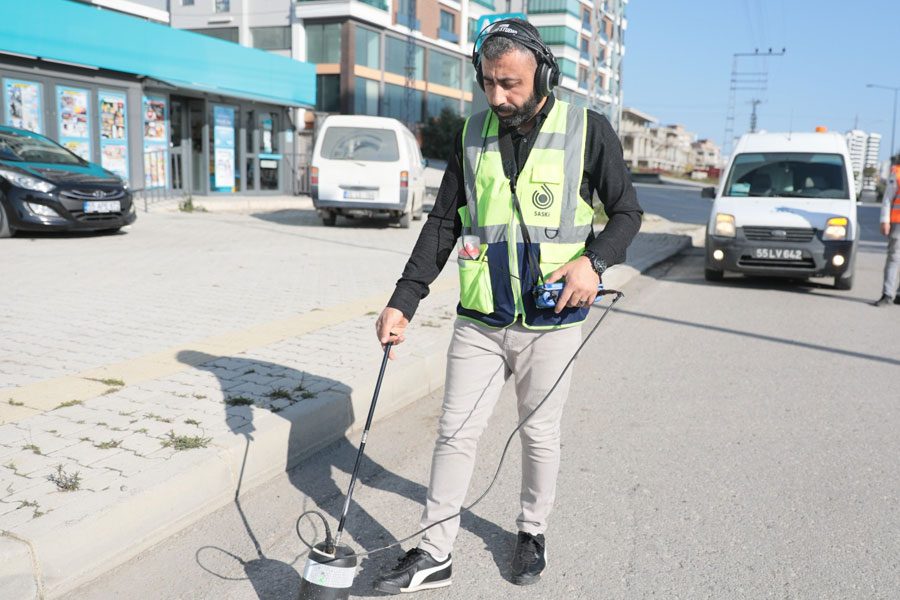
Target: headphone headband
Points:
(547, 74)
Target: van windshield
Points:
(360, 143)
(788, 174)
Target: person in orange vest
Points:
(890, 226)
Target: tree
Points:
(438, 134)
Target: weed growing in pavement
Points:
(238, 401)
(51, 431)
(371, 313)
(108, 381)
(67, 482)
(192, 422)
(11, 466)
(299, 388)
(111, 391)
(307, 395)
(276, 409)
(80, 422)
(157, 418)
(279, 393)
(14, 403)
(86, 439)
(70, 403)
(249, 371)
(31, 447)
(199, 396)
(108, 445)
(27, 503)
(102, 424)
(184, 442)
(141, 430)
(122, 413)
(188, 206)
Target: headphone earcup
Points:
(479, 77)
(542, 80)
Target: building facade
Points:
(648, 146)
(864, 148)
(410, 59)
(162, 108)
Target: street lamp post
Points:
(894, 114)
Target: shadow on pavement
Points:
(313, 476)
(309, 218)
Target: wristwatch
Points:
(598, 264)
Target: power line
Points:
(756, 81)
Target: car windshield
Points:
(20, 146)
(360, 143)
(788, 174)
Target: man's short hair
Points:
(496, 46)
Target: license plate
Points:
(103, 206)
(778, 253)
(359, 194)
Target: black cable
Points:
(468, 508)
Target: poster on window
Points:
(74, 131)
(156, 154)
(23, 105)
(113, 136)
(223, 141)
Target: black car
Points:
(45, 187)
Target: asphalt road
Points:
(674, 202)
(731, 440)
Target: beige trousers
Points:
(479, 361)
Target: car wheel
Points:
(329, 219)
(713, 275)
(6, 230)
(404, 220)
(844, 283)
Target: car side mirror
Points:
(708, 192)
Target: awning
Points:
(76, 33)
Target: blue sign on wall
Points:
(223, 144)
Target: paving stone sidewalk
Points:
(87, 482)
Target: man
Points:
(890, 226)
(519, 189)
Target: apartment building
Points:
(864, 148)
(669, 148)
(409, 59)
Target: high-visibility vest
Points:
(895, 204)
(497, 287)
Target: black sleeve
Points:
(608, 177)
(436, 240)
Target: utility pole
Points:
(410, 64)
(743, 80)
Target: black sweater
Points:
(604, 174)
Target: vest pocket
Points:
(475, 291)
(555, 255)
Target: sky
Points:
(678, 62)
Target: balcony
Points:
(485, 3)
(414, 24)
(448, 36)
(376, 3)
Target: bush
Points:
(438, 135)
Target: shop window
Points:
(229, 34)
(444, 69)
(323, 43)
(396, 55)
(23, 105)
(328, 93)
(367, 53)
(271, 38)
(400, 106)
(365, 97)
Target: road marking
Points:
(43, 396)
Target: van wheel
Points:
(404, 220)
(329, 219)
(843, 283)
(6, 230)
(713, 275)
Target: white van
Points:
(367, 166)
(786, 208)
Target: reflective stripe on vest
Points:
(895, 205)
(557, 218)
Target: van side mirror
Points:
(424, 162)
(708, 192)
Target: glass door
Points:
(178, 144)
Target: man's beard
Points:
(519, 115)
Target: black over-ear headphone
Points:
(546, 77)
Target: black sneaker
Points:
(885, 299)
(529, 560)
(415, 571)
